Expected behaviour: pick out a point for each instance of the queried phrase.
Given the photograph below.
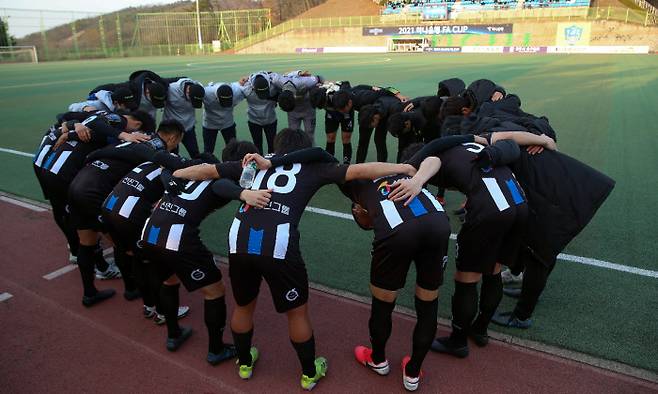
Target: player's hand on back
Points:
(256, 198)
(405, 189)
(134, 137)
(496, 96)
(83, 132)
(261, 162)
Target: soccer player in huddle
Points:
(171, 239)
(496, 211)
(218, 105)
(264, 243)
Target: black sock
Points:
(86, 266)
(331, 148)
(99, 260)
(124, 262)
(214, 315)
(242, 343)
(347, 152)
(169, 304)
(426, 313)
(380, 325)
(153, 283)
(464, 309)
(306, 354)
(491, 292)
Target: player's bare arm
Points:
(409, 188)
(377, 170)
(199, 172)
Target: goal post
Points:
(19, 54)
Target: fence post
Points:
(75, 38)
(608, 17)
(101, 31)
(646, 18)
(627, 11)
(43, 35)
(119, 38)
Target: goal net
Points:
(18, 54)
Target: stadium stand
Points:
(415, 7)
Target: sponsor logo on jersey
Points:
(384, 188)
(244, 207)
(133, 183)
(292, 295)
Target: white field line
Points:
(5, 296)
(321, 211)
(57, 273)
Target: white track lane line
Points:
(57, 273)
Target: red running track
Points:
(51, 343)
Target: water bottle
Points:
(248, 175)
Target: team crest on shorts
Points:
(292, 295)
(197, 275)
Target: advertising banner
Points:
(428, 30)
(525, 50)
(309, 50)
(573, 33)
(442, 49)
(600, 49)
(483, 49)
(437, 12)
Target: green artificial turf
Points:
(603, 108)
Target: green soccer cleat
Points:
(245, 371)
(320, 372)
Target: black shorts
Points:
(424, 241)
(194, 266)
(333, 119)
(86, 197)
(482, 243)
(287, 280)
(125, 233)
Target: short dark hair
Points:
(341, 98)
(395, 124)
(410, 151)
(148, 123)
(453, 106)
(290, 140)
(431, 108)
(235, 150)
(318, 97)
(286, 101)
(170, 127)
(366, 114)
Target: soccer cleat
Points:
(112, 272)
(149, 312)
(174, 343)
(100, 296)
(512, 292)
(245, 371)
(448, 346)
(320, 372)
(228, 352)
(347, 160)
(160, 319)
(73, 259)
(410, 383)
(364, 356)
(508, 319)
(481, 340)
(509, 278)
(131, 295)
